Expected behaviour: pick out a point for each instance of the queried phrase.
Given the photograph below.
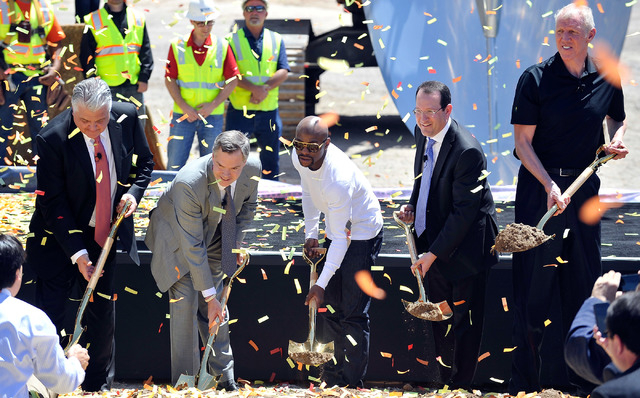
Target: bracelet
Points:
(210, 298)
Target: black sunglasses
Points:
(311, 146)
(255, 8)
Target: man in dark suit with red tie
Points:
(93, 158)
(455, 226)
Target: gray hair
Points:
(93, 93)
(231, 141)
(584, 14)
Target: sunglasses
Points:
(311, 146)
(203, 24)
(255, 8)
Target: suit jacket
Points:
(582, 353)
(625, 386)
(67, 187)
(183, 224)
(461, 220)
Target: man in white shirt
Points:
(28, 340)
(333, 185)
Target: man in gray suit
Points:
(186, 241)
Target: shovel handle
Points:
(575, 185)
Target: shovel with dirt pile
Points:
(423, 308)
(312, 352)
(517, 237)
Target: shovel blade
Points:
(185, 381)
(207, 381)
(303, 353)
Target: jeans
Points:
(34, 95)
(266, 126)
(178, 148)
(351, 316)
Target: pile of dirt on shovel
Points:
(311, 358)
(423, 310)
(517, 237)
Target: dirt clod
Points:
(517, 237)
(311, 358)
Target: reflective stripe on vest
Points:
(200, 83)
(33, 53)
(256, 72)
(117, 59)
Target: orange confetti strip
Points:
(254, 345)
(160, 328)
(504, 304)
(330, 118)
(458, 302)
(365, 282)
(475, 107)
(276, 350)
(394, 94)
(358, 46)
(183, 117)
(457, 79)
(386, 354)
(518, 63)
(264, 275)
(550, 265)
(395, 393)
(483, 356)
(422, 361)
(600, 9)
(155, 182)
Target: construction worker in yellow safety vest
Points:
(29, 65)
(115, 46)
(262, 61)
(201, 72)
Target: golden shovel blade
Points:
(427, 310)
(308, 355)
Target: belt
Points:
(564, 172)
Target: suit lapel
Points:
(115, 135)
(447, 143)
(215, 200)
(79, 148)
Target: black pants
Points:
(458, 347)
(539, 276)
(351, 316)
(52, 296)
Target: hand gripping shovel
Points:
(205, 379)
(77, 328)
(311, 352)
(423, 308)
(520, 237)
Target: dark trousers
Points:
(351, 316)
(539, 276)
(52, 296)
(459, 346)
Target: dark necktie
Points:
(425, 183)
(103, 193)
(228, 225)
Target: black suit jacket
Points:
(625, 386)
(67, 188)
(461, 217)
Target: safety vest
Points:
(117, 58)
(200, 83)
(26, 57)
(256, 72)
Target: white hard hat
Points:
(202, 11)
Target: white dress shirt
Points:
(29, 346)
(340, 191)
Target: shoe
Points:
(228, 385)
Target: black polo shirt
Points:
(567, 111)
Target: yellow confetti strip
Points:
(288, 267)
(560, 260)
(297, 283)
(263, 319)
(377, 268)
(130, 290)
(405, 289)
(547, 323)
(496, 380)
(104, 296)
(330, 308)
(401, 372)
(352, 340)
(509, 349)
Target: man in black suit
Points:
(455, 226)
(67, 230)
(622, 344)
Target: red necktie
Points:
(103, 194)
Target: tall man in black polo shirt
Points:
(557, 115)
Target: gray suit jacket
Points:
(183, 224)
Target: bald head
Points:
(313, 126)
